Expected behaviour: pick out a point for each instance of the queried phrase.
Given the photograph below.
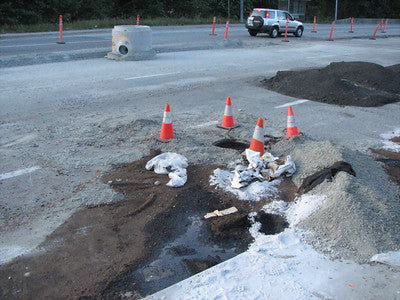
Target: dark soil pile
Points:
(101, 245)
(395, 68)
(341, 83)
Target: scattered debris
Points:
(255, 191)
(251, 182)
(267, 167)
(172, 164)
(217, 213)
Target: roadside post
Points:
(137, 20)
(286, 31)
(214, 25)
(331, 31)
(314, 27)
(375, 31)
(60, 29)
(351, 25)
(226, 34)
(384, 26)
(381, 24)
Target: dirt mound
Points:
(395, 68)
(341, 83)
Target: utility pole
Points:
(241, 11)
(229, 9)
(288, 5)
(336, 7)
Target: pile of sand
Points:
(360, 217)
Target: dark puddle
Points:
(192, 252)
(188, 254)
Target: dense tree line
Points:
(14, 12)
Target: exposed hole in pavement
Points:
(231, 144)
(271, 223)
(341, 83)
(317, 178)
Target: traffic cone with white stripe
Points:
(167, 130)
(291, 129)
(257, 142)
(228, 121)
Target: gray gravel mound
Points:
(360, 217)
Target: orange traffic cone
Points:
(228, 121)
(167, 130)
(257, 142)
(291, 129)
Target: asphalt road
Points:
(35, 48)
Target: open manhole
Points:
(231, 144)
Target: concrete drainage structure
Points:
(130, 42)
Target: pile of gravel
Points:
(341, 83)
(360, 217)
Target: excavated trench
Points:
(152, 238)
(183, 243)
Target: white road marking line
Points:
(18, 172)
(292, 103)
(149, 76)
(204, 124)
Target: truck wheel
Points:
(298, 32)
(253, 32)
(274, 32)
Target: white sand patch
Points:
(253, 192)
(303, 207)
